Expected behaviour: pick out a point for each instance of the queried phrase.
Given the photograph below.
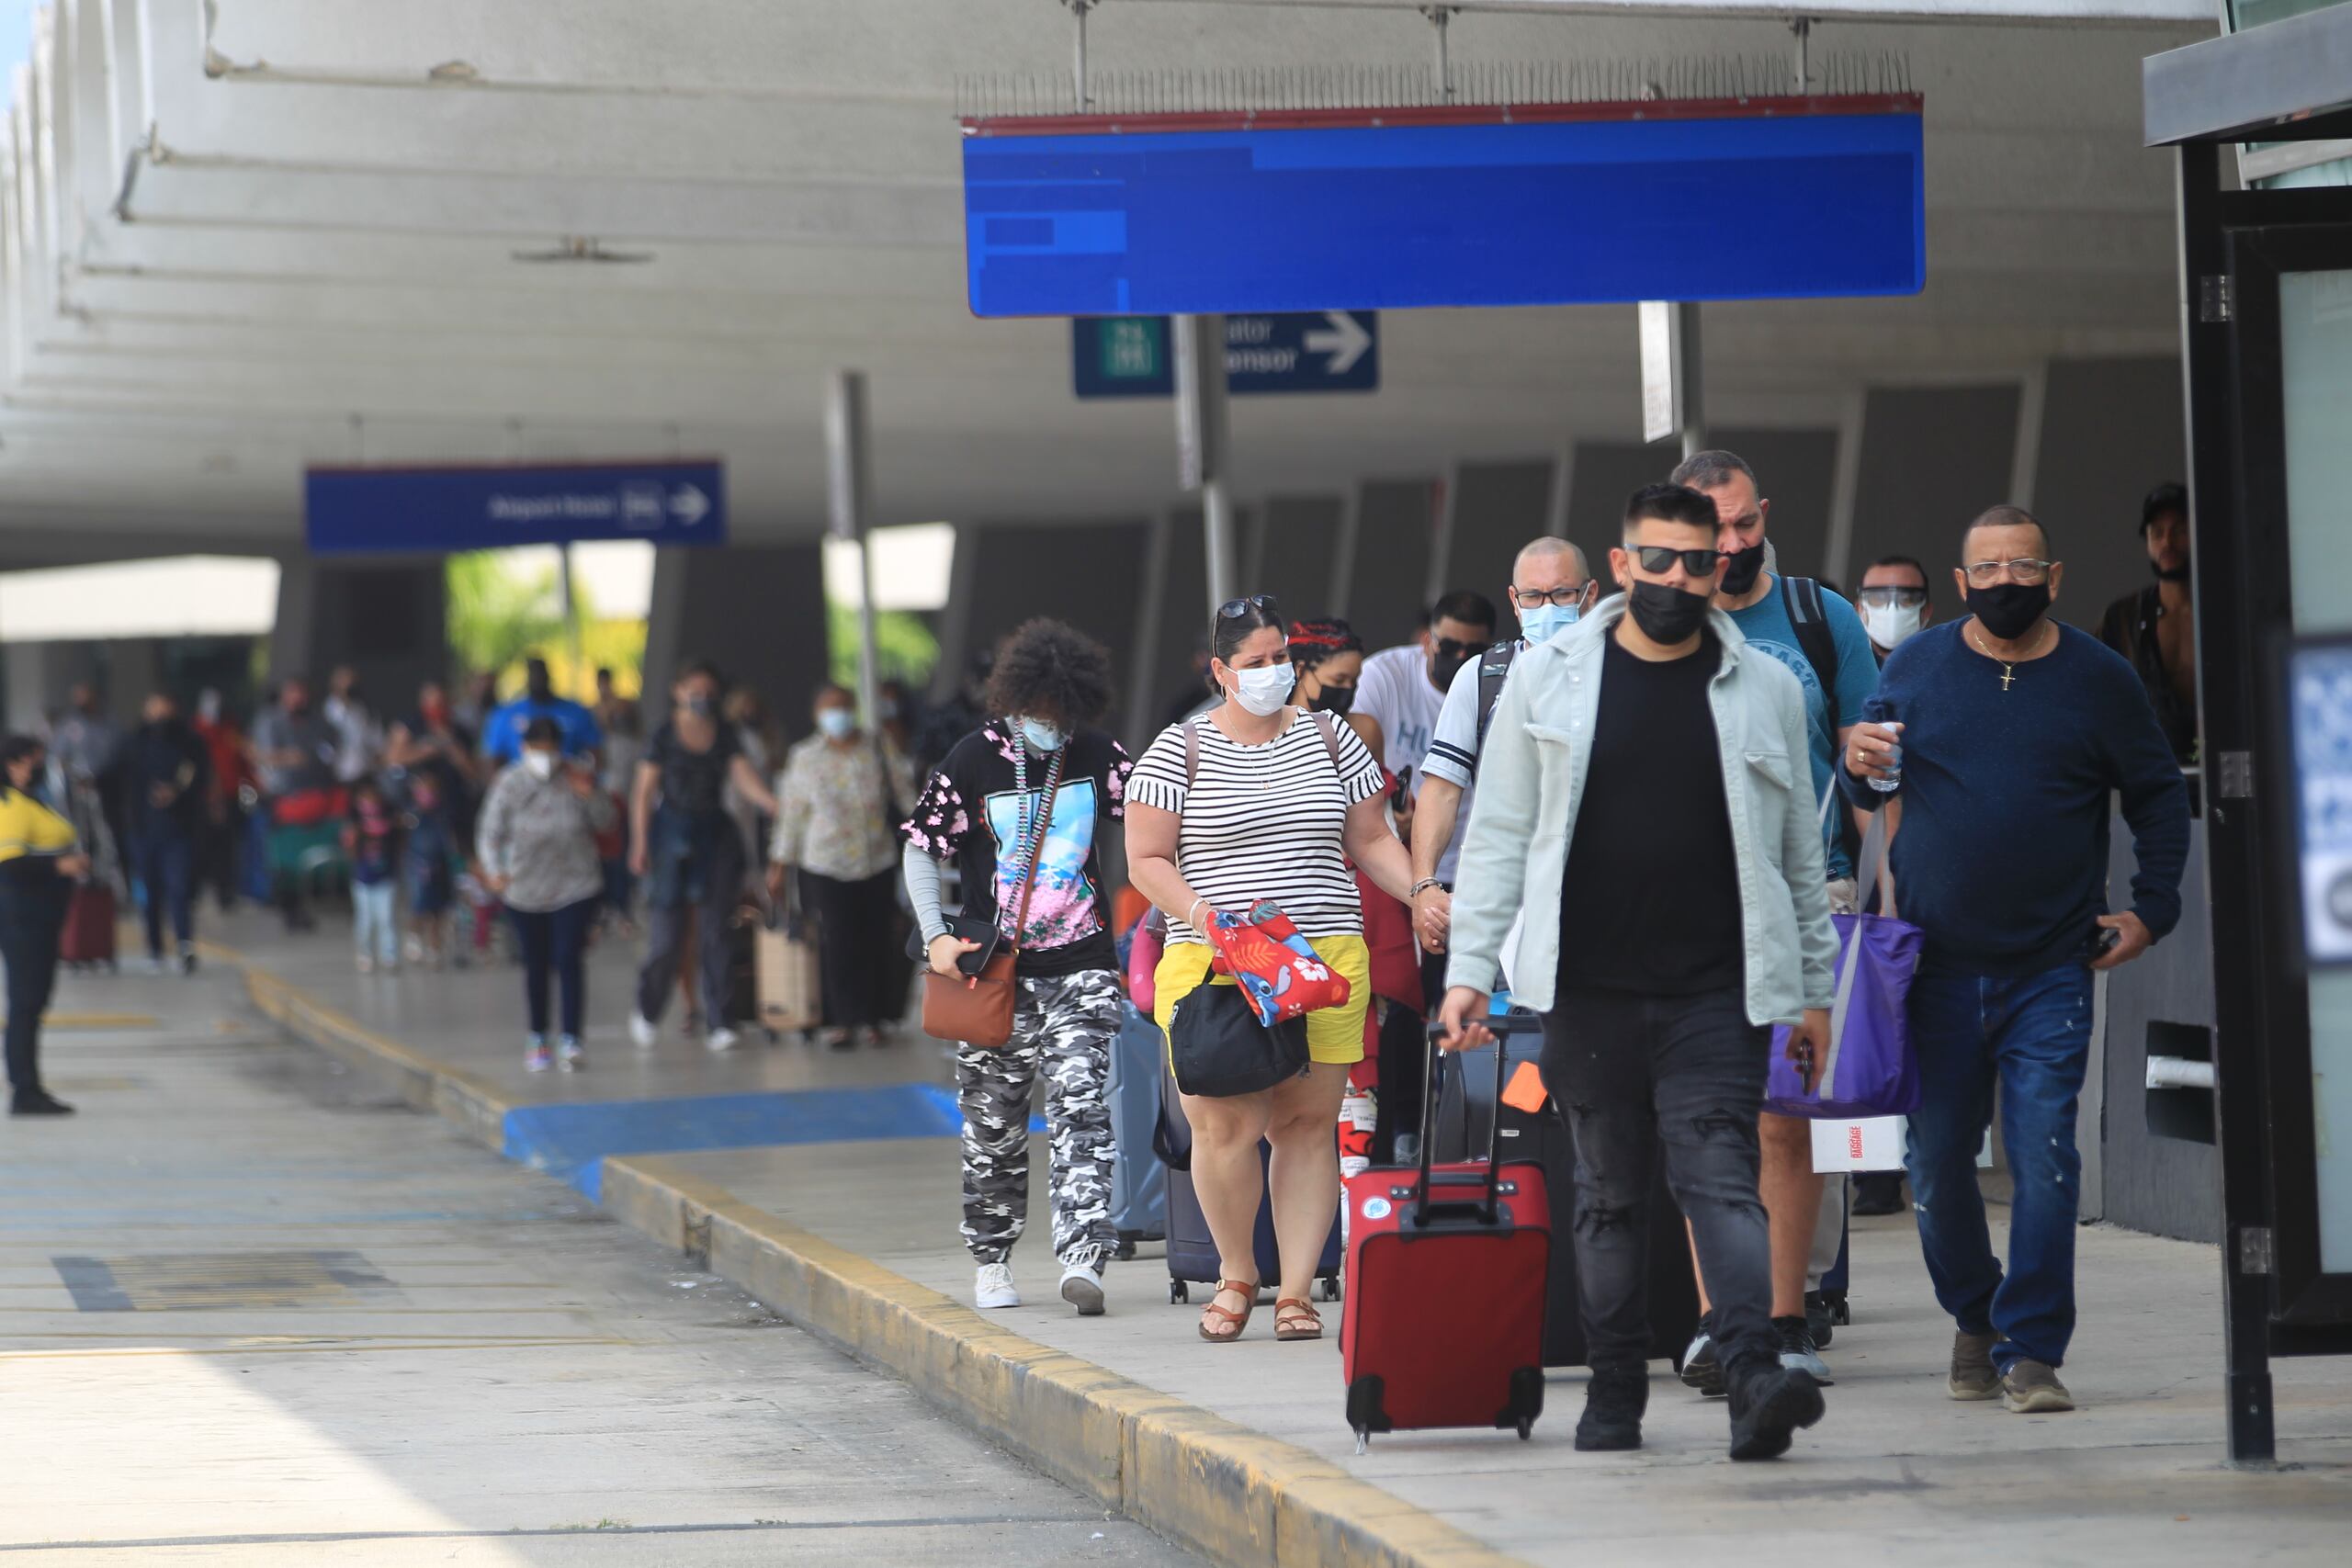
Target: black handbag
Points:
(1219, 1049)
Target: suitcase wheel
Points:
(1179, 1292)
(1328, 1287)
(1526, 1429)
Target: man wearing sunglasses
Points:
(2014, 731)
(1402, 689)
(1643, 792)
(1819, 638)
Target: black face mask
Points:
(1335, 699)
(1666, 615)
(1444, 666)
(1741, 569)
(2010, 609)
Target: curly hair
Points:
(1312, 642)
(1049, 669)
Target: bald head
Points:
(1547, 550)
(1548, 582)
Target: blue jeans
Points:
(167, 872)
(2034, 1034)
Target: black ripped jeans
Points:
(1637, 1072)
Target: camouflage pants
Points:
(1061, 1033)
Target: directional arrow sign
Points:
(1306, 351)
(380, 510)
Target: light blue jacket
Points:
(1531, 775)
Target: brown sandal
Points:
(1289, 1311)
(1248, 1291)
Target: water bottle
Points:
(1893, 779)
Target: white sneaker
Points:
(1083, 1287)
(993, 1287)
(644, 1031)
(569, 1055)
(722, 1038)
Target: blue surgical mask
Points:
(1546, 620)
(1040, 736)
(837, 723)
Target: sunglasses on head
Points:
(1661, 558)
(1234, 609)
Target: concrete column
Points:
(757, 611)
(1396, 526)
(1496, 508)
(388, 619)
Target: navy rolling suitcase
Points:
(1191, 1251)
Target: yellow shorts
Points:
(1333, 1034)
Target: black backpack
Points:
(1494, 667)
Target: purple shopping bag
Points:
(1870, 1069)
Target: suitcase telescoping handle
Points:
(1499, 1025)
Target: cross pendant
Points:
(2005, 676)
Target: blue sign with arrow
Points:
(1306, 351)
(446, 510)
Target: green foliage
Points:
(903, 646)
(496, 613)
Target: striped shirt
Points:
(1264, 821)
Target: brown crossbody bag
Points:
(976, 1008)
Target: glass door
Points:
(2291, 315)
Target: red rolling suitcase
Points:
(1423, 1245)
(88, 934)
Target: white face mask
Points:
(541, 763)
(1890, 623)
(1264, 690)
(836, 724)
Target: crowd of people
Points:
(461, 830)
(1630, 805)
(1634, 818)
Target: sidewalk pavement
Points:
(254, 1313)
(1242, 1451)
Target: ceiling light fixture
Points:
(583, 248)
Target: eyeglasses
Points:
(1535, 598)
(1985, 573)
(1234, 609)
(1660, 559)
(1883, 597)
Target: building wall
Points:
(388, 620)
(2111, 431)
(757, 611)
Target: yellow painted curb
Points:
(1232, 1493)
(1235, 1495)
(99, 1021)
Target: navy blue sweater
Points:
(2002, 855)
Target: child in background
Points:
(430, 854)
(370, 841)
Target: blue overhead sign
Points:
(1531, 212)
(379, 511)
(1306, 351)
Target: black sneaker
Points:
(1701, 1368)
(1614, 1402)
(39, 1102)
(1768, 1404)
(1798, 1353)
(1820, 1318)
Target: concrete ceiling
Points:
(240, 236)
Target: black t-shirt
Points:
(694, 782)
(1650, 900)
(970, 810)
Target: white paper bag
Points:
(1869, 1142)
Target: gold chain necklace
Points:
(2009, 666)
